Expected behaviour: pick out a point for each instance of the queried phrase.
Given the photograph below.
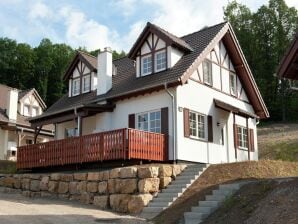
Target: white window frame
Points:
(28, 113)
(197, 126)
(75, 93)
(242, 138)
(209, 79)
(88, 78)
(162, 62)
(74, 132)
(37, 111)
(233, 92)
(142, 65)
(149, 121)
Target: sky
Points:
(97, 24)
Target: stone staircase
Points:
(212, 202)
(174, 190)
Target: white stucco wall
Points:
(3, 143)
(60, 128)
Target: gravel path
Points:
(16, 209)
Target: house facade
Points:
(196, 90)
(16, 107)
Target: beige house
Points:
(16, 106)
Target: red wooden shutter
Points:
(236, 143)
(210, 129)
(131, 120)
(186, 122)
(164, 120)
(251, 140)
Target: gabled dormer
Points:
(81, 74)
(156, 50)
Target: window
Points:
(149, 121)
(86, 83)
(146, 65)
(29, 141)
(26, 110)
(160, 61)
(207, 72)
(71, 132)
(75, 87)
(233, 84)
(197, 125)
(34, 111)
(242, 137)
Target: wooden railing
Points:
(118, 144)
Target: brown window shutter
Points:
(236, 144)
(210, 129)
(251, 140)
(164, 120)
(186, 122)
(131, 120)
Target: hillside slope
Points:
(278, 142)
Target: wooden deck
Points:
(121, 144)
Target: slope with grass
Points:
(224, 173)
(7, 167)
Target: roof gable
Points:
(89, 60)
(33, 91)
(169, 38)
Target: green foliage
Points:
(42, 67)
(264, 36)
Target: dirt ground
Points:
(16, 209)
(265, 202)
(224, 173)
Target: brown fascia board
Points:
(73, 64)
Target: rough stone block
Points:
(104, 175)
(63, 187)
(44, 183)
(119, 202)
(138, 202)
(165, 171)
(94, 176)
(26, 193)
(66, 177)
(82, 186)
(63, 196)
(7, 182)
(45, 194)
(34, 176)
(35, 194)
(55, 176)
(148, 172)
(115, 173)
(92, 187)
(53, 186)
(128, 172)
(126, 186)
(35, 185)
(176, 170)
(17, 183)
(73, 188)
(148, 185)
(102, 187)
(75, 197)
(86, 198)
(101, 201)
(164, 182)
(25, 184)
(112, 186)
(80, 176)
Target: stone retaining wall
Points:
(126, 189)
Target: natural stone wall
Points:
(127, 189)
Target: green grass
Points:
(7, 167)
(287, 151)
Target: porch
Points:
(120, 144)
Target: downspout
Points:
(173, 121)
(79, 120)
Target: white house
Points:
(197, 90)
(16, 106)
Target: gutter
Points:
(173, 121)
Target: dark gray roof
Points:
(125, 80)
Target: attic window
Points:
(76, 87)
(160, 61)
(146, 65)
(207, 72)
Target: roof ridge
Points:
(164, 30)
(88, 54)
(203, 29)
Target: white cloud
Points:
(126, 7)
(40, 10)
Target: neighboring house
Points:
(197, 90)
(288, 67)
(16, 106)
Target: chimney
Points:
(104, 71)
(12, 104)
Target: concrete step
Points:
(195, 215)
(174, 190)
(192, 221)
(159, 204)
(229, 187)
(200, 209)
(209, 203)
(165, 199)
(153, 209)
(168, 195)
(217, 197)
(187, 177)
(183, 182)
(223, 192)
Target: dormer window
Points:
(207, 72)
(76, 87)
(26, 110)
(160, 61)
(86, 83)
(146, 65)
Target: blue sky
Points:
(99, 23)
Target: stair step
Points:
(187, 177)
(174, 190)
(229, 187)
(165, 199)
(200, 209)
(183, 182)
(192, 221)
(195, 215)
(223, 192)
(168, 195)
(209, 203)
(153, 209)
(215, 197)
(159, 204)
